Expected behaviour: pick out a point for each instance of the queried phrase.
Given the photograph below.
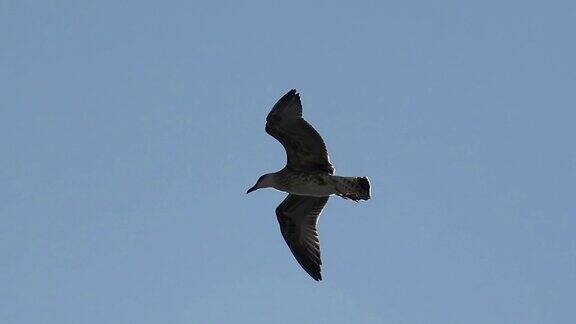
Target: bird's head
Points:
(264, 181)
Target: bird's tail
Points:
(355, 188)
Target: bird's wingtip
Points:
(293, 92)
(315, 275)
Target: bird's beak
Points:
(251, 189)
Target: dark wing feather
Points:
(298, 216)
(305, 149)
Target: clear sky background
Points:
(130, 131)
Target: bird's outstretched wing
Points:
(298, 216)
(305, 148)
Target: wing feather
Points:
(298, 217)
(305, 148)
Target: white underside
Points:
(313, 190)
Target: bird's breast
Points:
(318, 185)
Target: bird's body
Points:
(308, 178)
(319, 184)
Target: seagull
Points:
(309, 180)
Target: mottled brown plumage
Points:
(309, 179)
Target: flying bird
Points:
(309, 180)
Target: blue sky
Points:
(130, 131)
